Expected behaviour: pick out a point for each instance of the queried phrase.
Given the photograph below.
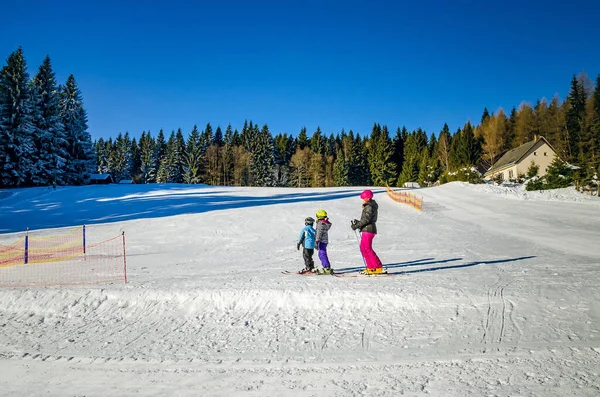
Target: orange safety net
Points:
(42, 249)
(405, 197)
(37, 260)
(13, 253)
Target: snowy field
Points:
(496, 293)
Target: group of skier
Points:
(317, 237)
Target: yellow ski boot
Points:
(378, 270)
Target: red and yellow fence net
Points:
(404, 197)
(62, 259)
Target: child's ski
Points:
(307, 273)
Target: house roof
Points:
(99, 177)
(515, 155)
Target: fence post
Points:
(26, 258)
(83, 242)
(124, 259)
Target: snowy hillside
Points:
(494, 294)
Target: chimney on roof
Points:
(536, 137)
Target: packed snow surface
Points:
(496, 293)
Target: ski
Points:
(307, 273)
(368, 275)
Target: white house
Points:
(517, 161)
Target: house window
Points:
(545, 154)
(535, 153)
(511, 174)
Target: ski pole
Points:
(361, 254)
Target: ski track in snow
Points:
(492, 302)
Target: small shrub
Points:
(533, 170)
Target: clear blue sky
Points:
(149, 64)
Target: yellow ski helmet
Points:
(321, 214)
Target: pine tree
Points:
(485, 115)
(542, 126)
(469, 147)
(236, 140)
(329, 170)
(317, 169)
(218, 138)
(179, 157)
(80, 160)
(511, 130)
(302, 138)
(340, 170)
(558, 174)
(433, 144)
(424, 170)
(358, 166)
(575, 116)
(147, 150)
(398, 149)
(206, 138)
(49, 137)
(456, 157)
(136, 163)
(262, 159)
(228, 163)
(331, 148)
(285, 146)
(413, 151)
(444, 147)
(160, 153)
(16, 124)
(595, 125)
(380, 153)
(192, 158)
(103, 150)
(121, 159)
(586, 144)
(171, 170)
(317, 142)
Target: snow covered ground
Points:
(496, 294)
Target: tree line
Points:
(44, 140)
(256, 157)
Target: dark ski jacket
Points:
(369, 217)
(323, 226)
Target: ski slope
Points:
(497, 294)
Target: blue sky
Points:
(148, 64)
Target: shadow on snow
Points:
(430, 261)
(72, 206)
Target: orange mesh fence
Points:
(42, 249)
(13, 253)
(62, 259)
(407, 198)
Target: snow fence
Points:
(404, 197)
(41, 259)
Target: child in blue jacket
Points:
(307, 240)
